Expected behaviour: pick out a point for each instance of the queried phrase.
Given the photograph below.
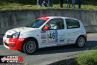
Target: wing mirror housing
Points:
(45, 28)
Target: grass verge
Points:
(17, 6)
(87, 58)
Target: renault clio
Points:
(46, 32)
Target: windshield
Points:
(37, 23)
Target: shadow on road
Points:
(70, 48)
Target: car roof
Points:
(51, 17)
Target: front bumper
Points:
(13, 43)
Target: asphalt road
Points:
(50, 55)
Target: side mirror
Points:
(45, 28)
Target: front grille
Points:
(9, 36)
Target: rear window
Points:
(72, 23)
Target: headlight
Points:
(16, 35)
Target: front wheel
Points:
(29, 47)
(81, 42)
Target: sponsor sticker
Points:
(53, 36)
(11, 59)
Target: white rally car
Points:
(46, 32)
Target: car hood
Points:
(20, 29)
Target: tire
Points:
(81, 42)
(29, 47)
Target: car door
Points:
(72, 31)
(56, 32)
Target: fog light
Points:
(12, 45)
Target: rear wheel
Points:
(29, 47)
(81, 42)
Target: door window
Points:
(55, 24)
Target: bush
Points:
(87, 58)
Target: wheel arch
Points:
(31, 38)
(82, 36)
(85, 36)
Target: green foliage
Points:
(87, 58)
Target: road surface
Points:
(50, 55)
